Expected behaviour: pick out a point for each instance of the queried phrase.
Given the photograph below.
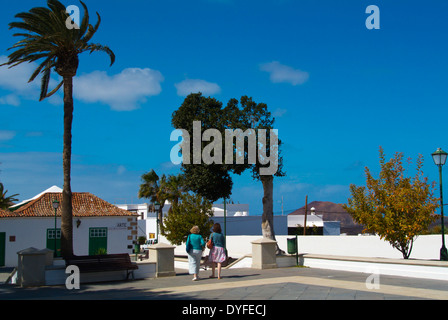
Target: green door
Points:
(2, 248)
(97, 241)
(51, 242)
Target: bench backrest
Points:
(121, 258)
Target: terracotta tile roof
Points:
(5, 213)
(84, 205)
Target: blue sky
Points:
(337, 89)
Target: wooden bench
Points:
(102, 263)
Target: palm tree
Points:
(6, 201)
(174, 188)
(160, 190)
(153, 188)
(46, 37)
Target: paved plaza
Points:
(246, 284)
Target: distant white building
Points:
(232, 210)
(147, 219)
(313, 221)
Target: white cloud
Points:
(11, 99)
(188, 86)
(121, 170)
(279, 112)
(6, 135)
(122, 92)
(16, 80)
(294, 187)
(283, 73)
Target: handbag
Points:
(210, 242)
(188, 246)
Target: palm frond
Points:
(98, 47)
(85, 22)
(52, 92)
(39, 69)
(45, 80)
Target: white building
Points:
(97, 225)
(147, 219)
(232, 210)
(313, 221)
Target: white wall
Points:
(117, 234)
(425, 247)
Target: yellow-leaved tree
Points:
(396, 207)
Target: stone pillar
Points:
(263, 254)
(163, 255)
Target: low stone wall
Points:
(426, 247)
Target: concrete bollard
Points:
(163, 255)
(31, 267)
(263, 254)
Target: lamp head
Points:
(55, 204)
(439, 157)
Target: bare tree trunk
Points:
(67, 213)
(267, 220)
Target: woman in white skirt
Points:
(195, 245)
(217, 253)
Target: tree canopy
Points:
(251, 142)
(396, 207)
(192, 210)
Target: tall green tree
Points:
(6, 201)
(213, 181)
(396, 207)
(46, 37)
(256, 116)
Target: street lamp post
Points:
(157, 208)
(55, 206)
(439, 158)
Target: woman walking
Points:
(195, 245)
(217, 253)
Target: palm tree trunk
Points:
(160, 218)
(67, 213)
